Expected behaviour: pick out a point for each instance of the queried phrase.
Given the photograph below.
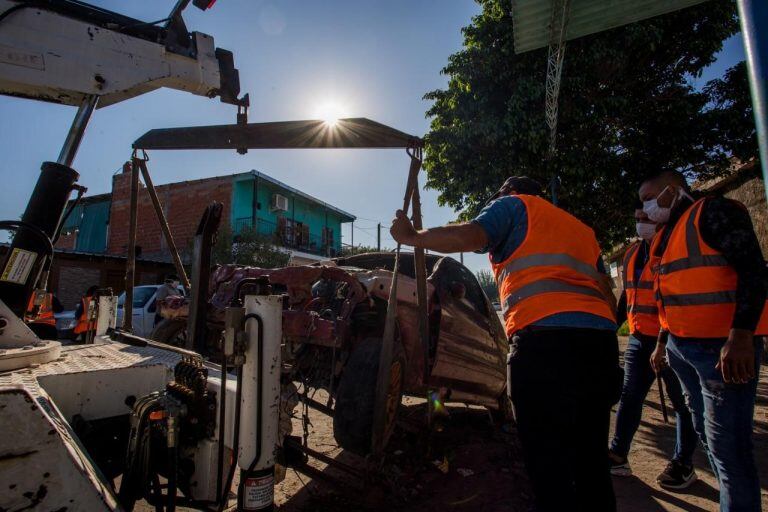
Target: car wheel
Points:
(171, 332)
(356, 396)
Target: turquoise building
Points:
(297, 220)
(306, 227)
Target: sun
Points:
(330, 111)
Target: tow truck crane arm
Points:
(64, 51)
(73, 53)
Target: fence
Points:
(289, 237)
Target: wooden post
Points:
(163, 223)
(130, 270)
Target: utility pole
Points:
(352, 229)
(461, 257)
(378, 237)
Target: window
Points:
(328, 237)
(141, 296)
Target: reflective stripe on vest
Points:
(545, 259)
(696, 286)
(642, 311)
(83, 324)
(648, 310)
(557, 256)
(44, 313)
(547, 286)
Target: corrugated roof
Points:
(531, 17)
(92, 232)
(90, 219)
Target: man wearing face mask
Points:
(637, 305)
(559, 318)
(169, 288)
(711, 291)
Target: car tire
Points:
(356, 396)
(171, 332)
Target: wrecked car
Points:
(333, 322)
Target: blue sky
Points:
(373, 58)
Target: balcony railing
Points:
(290, 238)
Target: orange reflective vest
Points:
(642, 311)
(44, 314)
(553, 271)
(695, 285)
(82, 321)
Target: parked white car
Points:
(144, 308)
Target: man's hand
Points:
(737, 357)
(402, 229)
(658, 357)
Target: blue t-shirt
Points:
(505, 222)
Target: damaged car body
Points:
(333, 321)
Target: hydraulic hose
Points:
(172, 486)
(13, 225)
(236, 301)
(132, 481)
(173, 439)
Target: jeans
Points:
(563, 384)
(722, 416)
(638, 379)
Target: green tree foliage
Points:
(731, 113)
(247, 248)
(488, 284)
(628, 107)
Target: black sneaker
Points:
(619, 465)
(676, 476)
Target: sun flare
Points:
(330, 111)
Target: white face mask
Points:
(660, 214)
(656, 213)
(646, 230)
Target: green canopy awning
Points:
(531, 18)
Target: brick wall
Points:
(73, 274)
(67, 241)
(73, 281)
(183, 204)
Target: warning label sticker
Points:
(259, 493)
(18, 267)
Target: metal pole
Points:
(328, 243)
(558, 24)
(163, 223)
(754, 20)
(378, 237)
(388, 338)
(254, 202)
(130, 270)
(76, 131)
(420, 270)
(352, 229)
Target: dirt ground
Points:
(472, 465)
